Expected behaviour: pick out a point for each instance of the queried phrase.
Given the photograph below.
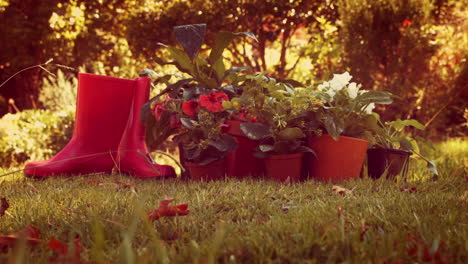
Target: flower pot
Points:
(336, 160)
(241, 162)
(215, 170)
(282, 167)
(394, 161)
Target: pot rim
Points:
(399, 151)
(285, 156)
(344, 137)
(193, 164)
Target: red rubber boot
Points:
(133, 157)
(102, 111)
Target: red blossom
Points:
(406, 23)
(30, 233)
(190, 108)
(213, 101)
(165, 209)
(61, 249)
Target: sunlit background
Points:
(416, 49)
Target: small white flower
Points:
(331, 93)
(340, 80)
(353, 90)
(369, 108)
(323, 86)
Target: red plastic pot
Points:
(336, 160)
(241, 162)
(215, 170)
(282, 167)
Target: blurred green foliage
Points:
(415, 49)
(33, 134)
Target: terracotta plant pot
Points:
(282, 167)
(215, 170)
(336, 160)
(394, 161)
(241, 163)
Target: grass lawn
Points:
(247, 221)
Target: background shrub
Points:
(33, 134)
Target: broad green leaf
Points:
(222, 41)
(255, 131)
(292, 82)
(146, 113)
(190, 37)
(290, 89)
(265, 148)
(225, 143)
(148, 73)
(306, 150)
(377, 97)
(182, 59)
(234, 70)
(400, 124)
(291, 133)
(174, 89)
(186, 122)
(334, 126)
(220, 70)
(405, 144)
(432, 167)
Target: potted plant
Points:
(391, 149)
(281, 112)
(205, 85)
(339, 130)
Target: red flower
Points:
(165, 209)
(213, 101)
(406, 23)
(189, 108)
(158, 110)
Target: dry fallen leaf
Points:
(4, 205)
(341, 191)
(165, 209)
(408, 189)
(61, 251)
(29, 233)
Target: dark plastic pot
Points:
(241, 162)
(336, 160)
(215, 170)
(282, 167)
(394, 161)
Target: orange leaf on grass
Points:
(340, 190)
(62, 251)
(165, 209)
(29, 233)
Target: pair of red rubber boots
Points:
(108, 133)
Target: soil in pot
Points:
(336, 160)
(391, 161)
(282, 167)
(215, 170)
(241, 162)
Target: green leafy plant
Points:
(345, 107)
(390, 135)
(280, 112)
(195, 100)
